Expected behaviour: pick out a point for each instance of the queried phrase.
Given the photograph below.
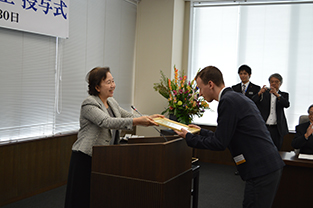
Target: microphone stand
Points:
(133, 107)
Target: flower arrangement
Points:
(183, 97)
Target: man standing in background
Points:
(245, 86)
(271, 103)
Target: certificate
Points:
(174, 125)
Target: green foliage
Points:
(183, 97)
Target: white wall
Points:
(159, 45)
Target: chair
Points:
(303, 119)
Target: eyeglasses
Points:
(274, 82)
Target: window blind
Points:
(270, 38)
(42, 78)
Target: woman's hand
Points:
(144, 121)
(157, 115)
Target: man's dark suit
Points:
(251, 90)
(242, 130)
(264, 103)
(299, 141)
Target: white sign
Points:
(47, 17)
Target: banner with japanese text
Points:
(47, 17)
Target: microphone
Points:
(135, 109)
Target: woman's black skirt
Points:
(78, 183)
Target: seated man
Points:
(245, 86)
(303, 139)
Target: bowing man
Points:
(251, 146)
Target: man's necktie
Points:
(243, 89)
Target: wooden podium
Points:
(146, 172)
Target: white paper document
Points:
(305, 156)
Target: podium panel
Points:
(147, 172)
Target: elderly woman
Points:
(101, 119)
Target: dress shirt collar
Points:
(219, 96)
(247, 84)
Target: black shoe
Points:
(237, 172)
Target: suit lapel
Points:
(100, 103)
(103, 108)
(114, 108)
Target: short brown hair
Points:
(211, 73)
(94, 77)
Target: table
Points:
(296, 185)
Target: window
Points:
(270, 38)
(42, 79)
